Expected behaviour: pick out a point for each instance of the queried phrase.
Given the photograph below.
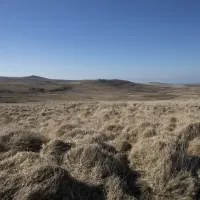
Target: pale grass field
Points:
(103, 150)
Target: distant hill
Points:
(114, 82)
(25, 78)
(33, 77)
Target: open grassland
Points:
(104, 151)
(37, 89)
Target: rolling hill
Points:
(35, 88)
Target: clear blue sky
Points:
(143, 40)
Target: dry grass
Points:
(104, 151)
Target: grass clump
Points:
(49, 182)
(92, 163)
(55, 149)
(96, 164)
(165, 165)
(22, 141)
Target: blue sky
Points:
(142, 41)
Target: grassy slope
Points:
(105, 151)
(33, 89)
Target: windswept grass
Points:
(103, 151)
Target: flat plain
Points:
(99, 139)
